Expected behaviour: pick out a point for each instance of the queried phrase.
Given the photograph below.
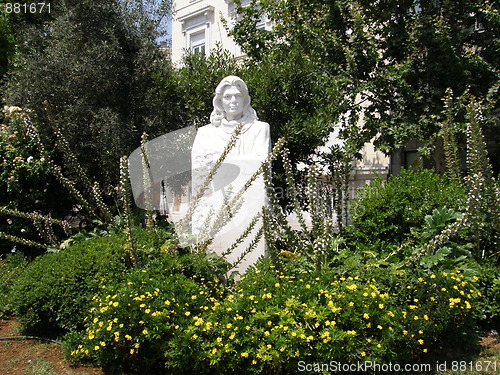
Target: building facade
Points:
(199, 25)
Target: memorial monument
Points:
(213, 219)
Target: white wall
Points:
(197, 19)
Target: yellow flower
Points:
(115, 304)
(97, 347)
(132, 351)
(266, 333)
(128, 337)
(308, 286)
(187, 313)
(352, 333)
(421, 342)
(381, 306)
(366, 316)
(363, 354)
(426, 317)
(405, 332)
(145, 332)
(244, 355)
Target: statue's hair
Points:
(218, 114)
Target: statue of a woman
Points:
(252, 147)
(232, 107)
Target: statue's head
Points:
(232, 101)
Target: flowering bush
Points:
(271, 319)
(132, 322)
(25, 181)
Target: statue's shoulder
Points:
(205, 130)
(261, 125)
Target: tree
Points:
(396, 57)
(89, 71)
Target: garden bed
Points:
(22, 357)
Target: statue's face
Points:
(232, 102)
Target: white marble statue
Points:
(231, 108)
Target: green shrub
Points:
(11, 266)
(489, 285)
(270, 320)
(132, 321)
(52, 294)
(386, 213)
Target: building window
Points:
(198, 42)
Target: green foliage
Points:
(302, 103)
(399, 56)
(270, 320)
(489, 284)
(52, 294)
(387, 213)
(11, 266)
